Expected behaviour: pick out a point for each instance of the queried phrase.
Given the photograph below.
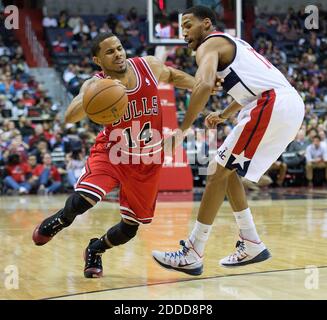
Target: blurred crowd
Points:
(39, 154)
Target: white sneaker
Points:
(185, 260)
(22, 190)
(247, 252)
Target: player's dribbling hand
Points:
(218, 86)
(213, 119)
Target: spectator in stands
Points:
(49, 21)
(278, 168)
(300, 144)
(25, 127)
(48, 175)
(40, 149)
(111, 22)
(311, 134)
(33, 180)
(17, 146)
(59, 45)
(18, 83)
(27, 99)
(132, 15)
(93, 30)
(316, 158)
(6, 106)
(19, 110)
(73, 21)
(80, 29)
(9, 130)
(17, 175)
(63, 19)
(83, 47)
(75, 165)
(69, 73)
(7, 85)
(39, 135)
(264, 181)
(76, 81)
(105, 28)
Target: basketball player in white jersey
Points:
(271, 113)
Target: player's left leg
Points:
(249, 247)
(275, 132)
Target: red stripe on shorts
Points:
(255, 129)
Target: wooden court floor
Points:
(295, 231)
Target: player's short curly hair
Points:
(95, 48)
(202, 12)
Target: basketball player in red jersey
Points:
(130, 166)
(271, 113)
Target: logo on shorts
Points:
(239, 162)
(221, 154)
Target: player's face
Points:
(112, 56)
(193, 30)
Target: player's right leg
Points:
(119, 234)
(75, 205)
(189, 259)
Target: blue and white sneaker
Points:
(185, 260)
(247, 252)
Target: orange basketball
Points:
(105, 101)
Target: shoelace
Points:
(179, 253)
(240, 248)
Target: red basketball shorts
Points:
(138, 185)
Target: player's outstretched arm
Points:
(171, 75)
(75, 111)
(205, 78)
(178, 78)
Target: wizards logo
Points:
(238, 162)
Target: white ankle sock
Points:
(199, 236)
(245, 222)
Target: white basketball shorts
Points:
(265, 128)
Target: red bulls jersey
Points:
(139, 132)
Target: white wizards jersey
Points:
(249, 74)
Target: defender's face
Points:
(112, 56)
(193, 30)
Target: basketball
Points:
(105, 101)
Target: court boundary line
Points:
(179, 281)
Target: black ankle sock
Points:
(100, 244)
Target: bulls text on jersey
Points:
(133, 111)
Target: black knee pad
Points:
(121, 233)
(75, 205)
